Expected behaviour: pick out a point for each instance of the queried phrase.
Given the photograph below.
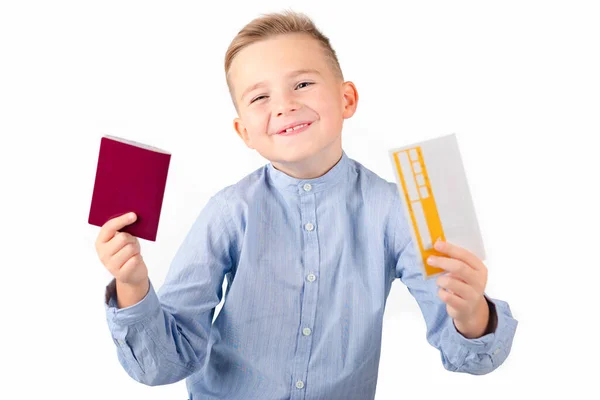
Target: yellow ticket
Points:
(436, 198)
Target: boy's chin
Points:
(291, 156)
(299, 154)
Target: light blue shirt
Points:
(309, 265)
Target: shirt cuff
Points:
(493, 342)
(140, 311)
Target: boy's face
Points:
(283, 81)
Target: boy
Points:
(310, 244)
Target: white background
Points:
(518, 81)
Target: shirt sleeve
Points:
(163, 338)
(474, 356)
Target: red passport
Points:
(130, 176)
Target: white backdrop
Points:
(518, 81)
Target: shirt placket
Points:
(310, 288)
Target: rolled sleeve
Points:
(127, 331)
(132, 314)
(486, 353)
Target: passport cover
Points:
(130, 177)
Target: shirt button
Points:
(309, 227)
(311, 277)
(306, 331)
(299, 384)
(307, 187)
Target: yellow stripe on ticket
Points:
(419, 198)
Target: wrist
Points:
(130, 294)
(478, 324)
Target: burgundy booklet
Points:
(130, 177)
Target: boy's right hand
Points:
(120, 252)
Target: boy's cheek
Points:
(254, 124)
(330, 105)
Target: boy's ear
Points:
(242, 132)
(350, 99)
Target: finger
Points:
(129, 268)
(113, 225)
(452, 300)
(451, 275)
(456, 267)
(459, 253)
(120, 240)
(457, 287)
(128, 251)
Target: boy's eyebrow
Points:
(289, 75)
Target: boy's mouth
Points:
(294, 128)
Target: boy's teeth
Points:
(295, 128)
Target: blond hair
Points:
(269, 25)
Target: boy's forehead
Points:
(279, 51)
(276, 58)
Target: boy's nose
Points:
(286, 106)
(286, 111)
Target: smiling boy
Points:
(309, 244)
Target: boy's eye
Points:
(297, 86)
(302, 83)
(257, 98)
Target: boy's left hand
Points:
(462, 288)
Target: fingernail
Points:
(438, 245)
(430, 260)
(131, 216)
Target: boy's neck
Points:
(315, 166)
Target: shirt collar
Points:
(338, 173)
